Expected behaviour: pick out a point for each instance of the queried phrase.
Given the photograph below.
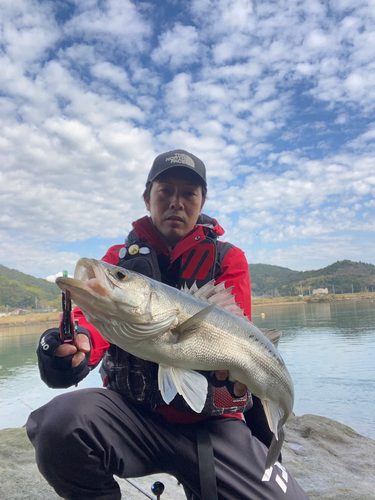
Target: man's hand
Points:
(63, 365)
(238, 389)
(78, 349)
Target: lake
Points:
(329, 349)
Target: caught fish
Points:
(183, 332)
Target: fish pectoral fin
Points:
(274, 414)
(193, 320)
(191, 385)
(166, 384)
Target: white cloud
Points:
(52, 277)
(313, 255)
(42, 257)
(28, 30)
(113, 24)
(364, 141)
(276, 98)
(115, 75)
(178, 47)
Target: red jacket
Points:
(234, 270)
(194, 258)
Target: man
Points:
(84, 438)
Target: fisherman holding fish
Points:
(191, 387)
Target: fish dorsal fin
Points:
(192, 290)
(273, 335)
(191, 385)
(218, 295)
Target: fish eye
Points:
(121, 275)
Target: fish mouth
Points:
(93, 276)
(85, 270)
(88, 276)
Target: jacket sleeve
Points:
(99, 345)
(234, 271)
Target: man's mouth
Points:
(175, 218)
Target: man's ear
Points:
(147, 203)
(203, 202)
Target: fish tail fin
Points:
(275, 448)
(274, 414)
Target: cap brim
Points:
(180, 166)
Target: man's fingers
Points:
(78, 358)
(78, 349)
(221, 374)
(65, 350)
(68, 350)
(82, 342)
(239, 389)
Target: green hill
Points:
(19, 290)
(341, 277)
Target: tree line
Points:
(341, 277)
(19, 290)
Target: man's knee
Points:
(57, 429)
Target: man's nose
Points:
(176, 201)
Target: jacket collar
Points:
(147, 232)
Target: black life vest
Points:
(136, 379)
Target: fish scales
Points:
(182, 334)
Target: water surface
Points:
(329, 349)
(21, 389)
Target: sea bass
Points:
(184, 332)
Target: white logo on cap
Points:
(181, 158)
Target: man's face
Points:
(175, 204)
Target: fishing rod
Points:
(68, 325)
(157, 488)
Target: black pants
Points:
(83, 438)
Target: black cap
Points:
(177, 158)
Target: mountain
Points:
(341, 277)
(24, 291)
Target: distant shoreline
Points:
(312, 299)
(29, 319)
(38, 319)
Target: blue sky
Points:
(277, 98)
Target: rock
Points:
(21, 480)
(328, 459)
